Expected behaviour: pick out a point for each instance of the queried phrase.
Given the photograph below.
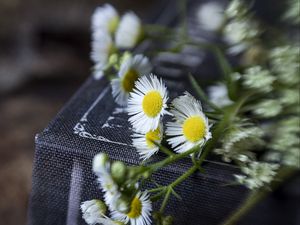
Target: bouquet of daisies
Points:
(251, 115)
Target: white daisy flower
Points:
(139, 213)
(129, 31)
(130, 70)
(147, 103)
(105, 18)
(93, 211)
(110, 189)
(101, 167)
(211, 16)
(144, 142)
(102, 48)
(190, 127)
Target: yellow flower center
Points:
(135, 208)
(129, 79)
(152, 136)
(152, 103)
(194, 128)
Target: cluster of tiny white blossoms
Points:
(257, 174)
(241, 30)
(285, 142)
(285, 63)
(293, 12)
(238, 141)
(110, 32)
(258, 79)
(147, 105)
(124, 200)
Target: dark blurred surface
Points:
(44, 58)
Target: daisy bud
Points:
(168, 220)
(126, 55)
(99, 162)
(146, 174)
(93, 210)
(118, 171)
(113, 59)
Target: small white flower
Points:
(267, 108)
(236, 8)
(93, 211)
(105, 18)
(238, 141)
(130, 70)
(129, 31)
(293, 11)
(190, 127)
(144, 142)
(102, 48)
(101, 163)
(259, 79)
(139, 213)
(240, 34)
(147, 103)
(101, 167)
(218, 94)
(211, 16)
(285, 63)
(257, 174)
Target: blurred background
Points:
(44, 58)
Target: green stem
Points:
(165, 201)
(184, 176)
(182, 6)
(156, 189)
(251, 200)
(170, 187)
(258, 195)
(171, 159)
